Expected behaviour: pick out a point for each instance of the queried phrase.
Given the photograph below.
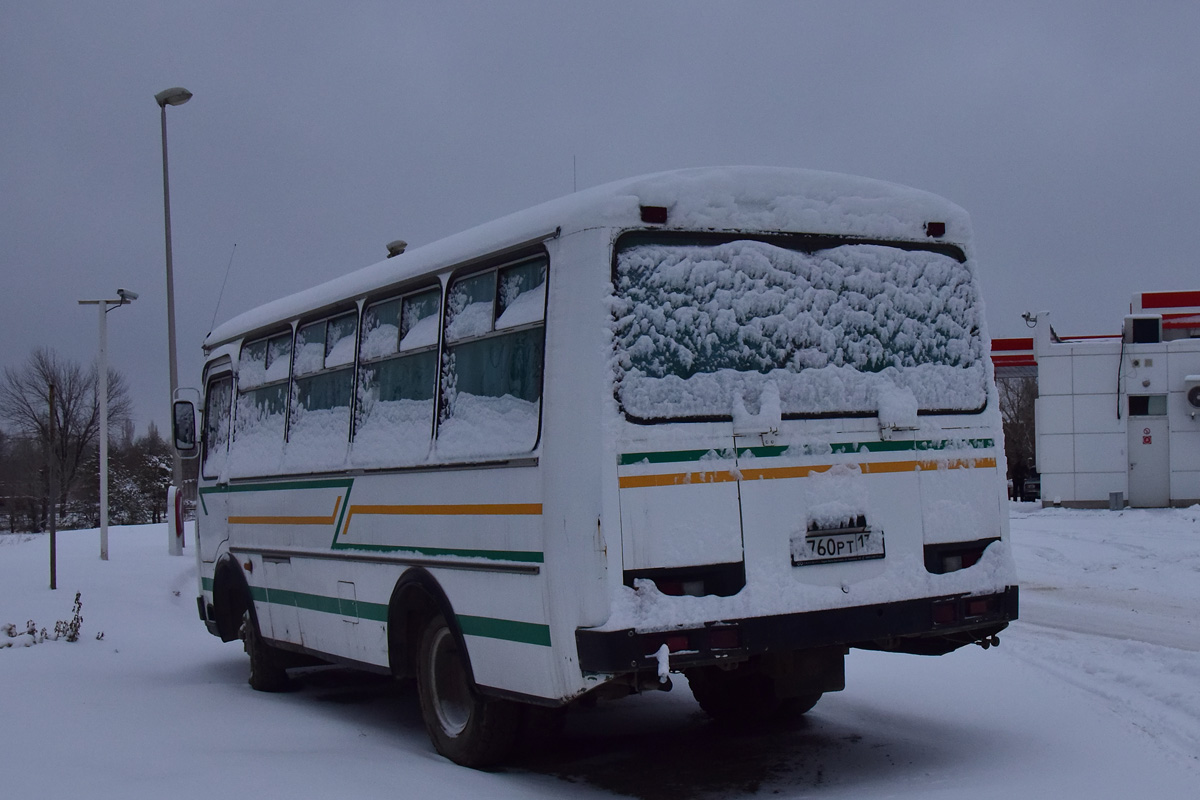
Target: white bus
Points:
(729, 423)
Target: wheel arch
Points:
(231, 597)
(416, 599)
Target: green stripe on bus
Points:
(523, 556)
(488, 627)
(317, 602)
(839, 448)
(329, 483)
(507, 629)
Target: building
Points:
(1118, 416)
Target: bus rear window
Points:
(700, 328)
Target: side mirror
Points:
(183, 426)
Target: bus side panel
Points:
(577, 454)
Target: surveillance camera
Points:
(127, 295)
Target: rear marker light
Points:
(655, 215)
(944, 613)
(724, 638)
(978, 608)
(677, 642)
(935, 230)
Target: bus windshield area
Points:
(700, 328)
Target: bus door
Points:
(212, 514)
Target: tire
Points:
(464, 726)
(267, 664)
(745, 696)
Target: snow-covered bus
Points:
(729, 423)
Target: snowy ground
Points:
(1094, 693)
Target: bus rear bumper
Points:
(927, 626)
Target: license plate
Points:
(832, 546)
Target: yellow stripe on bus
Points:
(478, 509)
(774, 473)
(289, 520)
(464, 509)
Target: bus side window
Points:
(261, 412)
(397, 379)
(218, 402)
(492, 362)
(319, 423)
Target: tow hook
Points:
(989, 641)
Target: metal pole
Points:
(53, 496)
(176, 460)
(103, 391)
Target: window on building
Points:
(1147, 405)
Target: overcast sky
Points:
(321, 131)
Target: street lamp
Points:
(176, 96)
(124, 297)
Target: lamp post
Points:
(176, 96)
(124, 297)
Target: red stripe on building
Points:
(1170, 300)
(1014, 361)
(1005, 345)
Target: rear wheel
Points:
(267, 664)
(465, 727)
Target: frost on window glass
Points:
(419, 320)
(217, 405)
(396, 386)
(492, 381)
(380, 329)
(258, 430)
(699, 329)
(469, 309)
(310, 348)
(260, 411)
(339, 341)
(522, 297)
(319, 429)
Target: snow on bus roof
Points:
(717, 198)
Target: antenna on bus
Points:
(221, 294)
(396, 247)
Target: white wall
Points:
(1081, 414)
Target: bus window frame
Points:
(511, 259)
(217, 371)
(811, 243)
(294, 379)
(423, 287)
(239, 390)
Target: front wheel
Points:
(465, 727)
(267, 664)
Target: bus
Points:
(724, 423)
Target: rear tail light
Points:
(979, 606)
(945, 613)
(724, 638)
(953, 556)
(677, 642)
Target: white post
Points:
(103, 390)
(174, 522)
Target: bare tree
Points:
(25, 407)
(1017, 396)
